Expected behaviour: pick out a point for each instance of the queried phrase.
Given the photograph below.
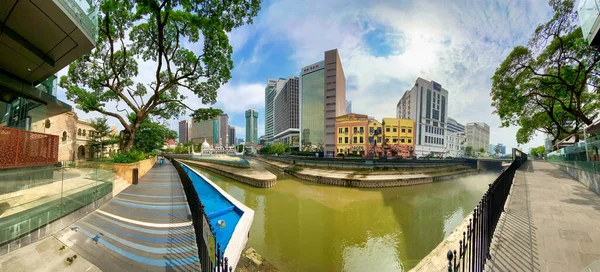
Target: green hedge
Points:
(131, 156)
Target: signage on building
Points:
(436, 86)
(310, 68)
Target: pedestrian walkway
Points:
(551, 223)
(146, 227)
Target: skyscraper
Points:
(426, 103)
(348, 106)
(322, 98)
(232, 138)
(208, 130)
(285, 116)
(271, 91)
(224, 130)
(252, 126)
(478, 136)
(183, 132)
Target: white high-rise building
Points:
(274, 86)
(455, 147)
(478, 136)
(427, 104)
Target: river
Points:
(303, 226)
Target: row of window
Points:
(403, 130)
(356, 140)
(434, 140)
(434, 130)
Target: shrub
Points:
(72, 164)
(129, 157)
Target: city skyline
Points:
(372, 47)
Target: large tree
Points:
(161, 35)
(550, 79)
(151, 135)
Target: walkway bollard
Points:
(134, 178)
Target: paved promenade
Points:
(551, 223)
(143, 228)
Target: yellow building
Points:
(375, 132)
(351, 134)
(399, 131)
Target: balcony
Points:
(40, 37)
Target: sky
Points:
(384, 45)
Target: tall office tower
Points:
(426, 103)
(232, 139)
(252, 126)
(224, 130)
(208, 130)
(322, 98)
(348, 106)
(286, 120)
(183, 132)
(478, 136)
(272, 89)
(454, 126)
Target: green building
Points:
(252, 126)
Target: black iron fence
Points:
(209, 252)
(473, 248)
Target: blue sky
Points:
(384, 46)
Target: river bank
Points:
(372, 178)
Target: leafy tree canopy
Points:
(545, 86)
(159, 34)
(101, 136)
(151, 135)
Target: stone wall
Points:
(436, 260)
(588, 178)
(123, 170)
(261, 183)
(359, 183)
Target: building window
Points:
(371, 130)
(387, 129)
(346, 130)
(409, 130)
(402, 140)
(64, 136)
(47, 124)
(339, 140)
(340, 130)
(83, 133)
(394, 140)
(79, 132)
(394, 130)
(355, 130)
(362, 130)
(362, 140)
(403, 130)
(355, 140)
(409, 141)
(346, 140)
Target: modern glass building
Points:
(183, 132)
(274, 86)
(285, 119)
(252, 126)
(312, 114)
(38, 39)
(206, 130)
(589, 19)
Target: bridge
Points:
(490, 164)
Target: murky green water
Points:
(302, 226)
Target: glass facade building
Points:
(252, 126)
(589, 19)
(312, 118)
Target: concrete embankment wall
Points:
(436, 260)
(261, 183)
(588, 178)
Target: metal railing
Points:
(205, 235)
(368, 164)
(473, 248)
(209, 252)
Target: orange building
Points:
(351, 134)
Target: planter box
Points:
(123, 170)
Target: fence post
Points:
(449, 256)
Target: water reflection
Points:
(301, 226)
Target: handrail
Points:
(474, 247)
